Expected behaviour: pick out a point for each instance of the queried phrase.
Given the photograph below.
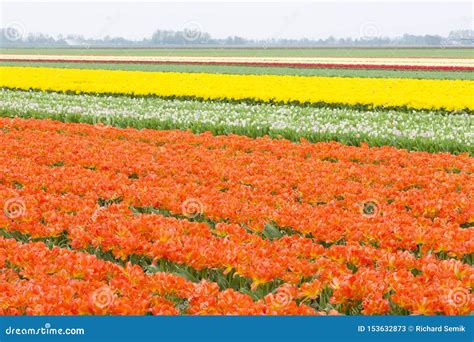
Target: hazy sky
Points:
(319, 19)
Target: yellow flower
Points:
(384, 92)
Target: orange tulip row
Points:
(289, 258)
(36, 280)
(383, 196)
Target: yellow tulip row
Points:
(371, 92)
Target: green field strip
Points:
(255, 70)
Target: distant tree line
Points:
(14, 37)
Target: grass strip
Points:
(256, 70)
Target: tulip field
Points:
(236, 182)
